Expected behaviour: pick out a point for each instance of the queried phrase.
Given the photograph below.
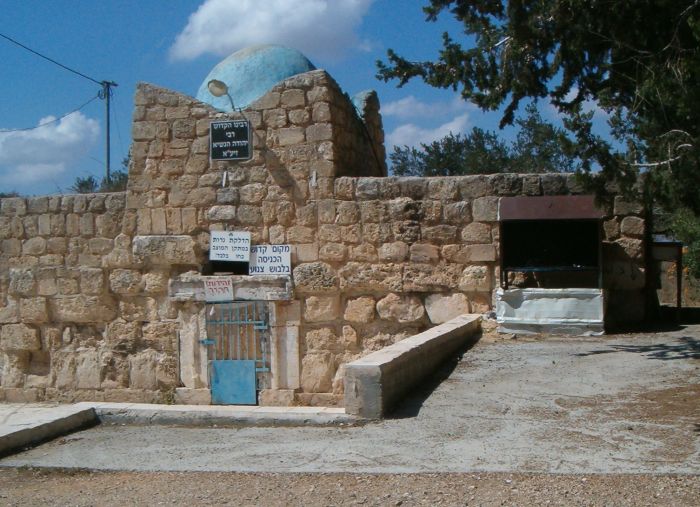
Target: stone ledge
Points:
(375, 383)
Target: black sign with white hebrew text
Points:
(230, 140)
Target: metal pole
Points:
(106, 93)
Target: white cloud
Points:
(411, 107)
(410, 134)
(318, 28)
(34, 155)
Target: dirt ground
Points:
(547, 422)
(38, 487)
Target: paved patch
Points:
(626, 404)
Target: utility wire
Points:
(51, 60)
(4, 131)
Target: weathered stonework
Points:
(99, 294)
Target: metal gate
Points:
(238, 340)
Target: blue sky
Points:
(174, 44)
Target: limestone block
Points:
(443, 189)
(249, 215)
(122, 335)
(19, 337)
(476, 232)
(373, 211)
(315, 277)
(377, 234)
(22, 282)
(344, 188)
(275, 118)
(88, 369)
(317, 371)
(165, 250)
(142, 370)
(339, 380)
(362, 276)
(380, 340)
(393, 252)
(37, 205)
(253, 193)
(423, 252)
(277, 235)
(91, 280)
(293, 98)
(479, 253)
(612, 229)
(442, 307)
(305, 253)
(351, 340)
(322, 308)
(290, 136)
(623, 275)
(34, 246)
(407, 231)
(82, 309)
(430, 278)
(320, 339)
(531, 185)
(475, 278)
(9, 311)
(300, 234)
(632, 226)
(333, 252)
(330, 232)
(269, 397)
(33, 310)
(125, 281)
(485, 209)
(363, 253)
(458, 213)
(633, 248)
(155, 282)
(221, 213)
(402, 309)
(160, 335)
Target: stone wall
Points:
(85, 306)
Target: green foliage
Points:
(85, 185)
(9, 194)
(639, 60)
(539, 147)
(686, 227)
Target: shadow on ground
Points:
(412, 404)
(687, 348)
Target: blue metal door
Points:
(237, 335)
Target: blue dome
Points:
(251, 72)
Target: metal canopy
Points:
(554, 207)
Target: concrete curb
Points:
(375, 383)
(30, 424)
(208, 415)
(45, 425)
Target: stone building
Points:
(102, 296)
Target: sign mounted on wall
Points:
(231, 246)
(218, 288)
(230, 140)
(270, 260)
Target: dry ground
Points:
(38, 487)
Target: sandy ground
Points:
(78, 488)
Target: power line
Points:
(50, 59)
(4, 131)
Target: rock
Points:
(125, 281)
(402, 309)
(475, 278)
(314, 277)
(360, 310)
(320, 339)
(317, 371)
(442, 308)
(632, 226)
(19, 337)
(33, 310)
(322, 308)
(423, 252)
(166, 250)
(82, 309)
(371, 277)
(430, 278)
(393, 252)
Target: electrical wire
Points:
(101, 83)
(4, 131)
